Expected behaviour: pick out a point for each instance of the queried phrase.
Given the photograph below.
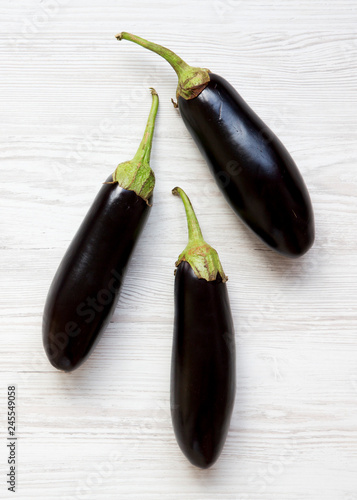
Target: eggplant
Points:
(253, 169)
(203, 381)
(85, 289)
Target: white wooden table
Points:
(73, 104)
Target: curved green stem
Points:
(144, 150)
(202, 257)
(191, 80)
(173, 59)
(194, 230)
(136, 175)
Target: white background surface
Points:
(73, 104)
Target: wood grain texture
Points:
(73, 104)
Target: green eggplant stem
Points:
(202, 257)
(191, 80)
(136, 175)
(194, 230)
(173, 59)
(144, 150)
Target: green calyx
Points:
(202, 257)
(191, 80)
(136, 175)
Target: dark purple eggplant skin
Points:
(85, 289)
(203, 366)
(252, 167)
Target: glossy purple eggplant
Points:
(251, 166)
(85, 289)
(203, 350)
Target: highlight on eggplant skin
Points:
(203, 350)
(85, 290)
(253, 169)
(251, 166)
